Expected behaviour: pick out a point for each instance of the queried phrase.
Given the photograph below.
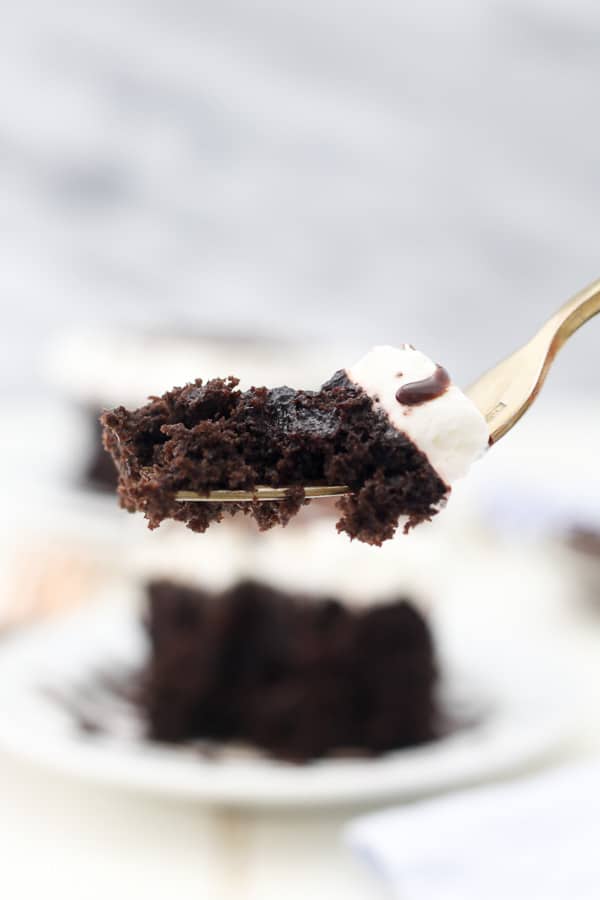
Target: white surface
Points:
(534, 838)
(449, 429)
(63, 838)
(518, 726)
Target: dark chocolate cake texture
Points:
(298, 677)
(394, 429)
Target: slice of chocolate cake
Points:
(393, 429)
(299, 677)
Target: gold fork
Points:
(502, 395)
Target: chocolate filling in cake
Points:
(298, 677)
(210, 436)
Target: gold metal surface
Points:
(507, 391)
(502, 395)
(261, 492)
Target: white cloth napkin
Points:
(534, 839)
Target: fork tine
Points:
(261, 492)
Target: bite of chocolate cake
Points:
(393, 428)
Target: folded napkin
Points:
(534, 839)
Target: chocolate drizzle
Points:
(418, 392)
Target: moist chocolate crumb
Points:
(298, 677)
(209, 436)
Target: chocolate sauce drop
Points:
(422, 391)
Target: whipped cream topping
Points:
(447, 428)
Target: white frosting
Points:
(449, 429)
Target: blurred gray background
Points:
(424, 172)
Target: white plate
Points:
(521, 725)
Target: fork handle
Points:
(505, 393)
(571, 316)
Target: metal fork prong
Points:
(261, 492)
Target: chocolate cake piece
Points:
(369, 428)
(298, 677)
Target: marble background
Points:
(422, 171)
